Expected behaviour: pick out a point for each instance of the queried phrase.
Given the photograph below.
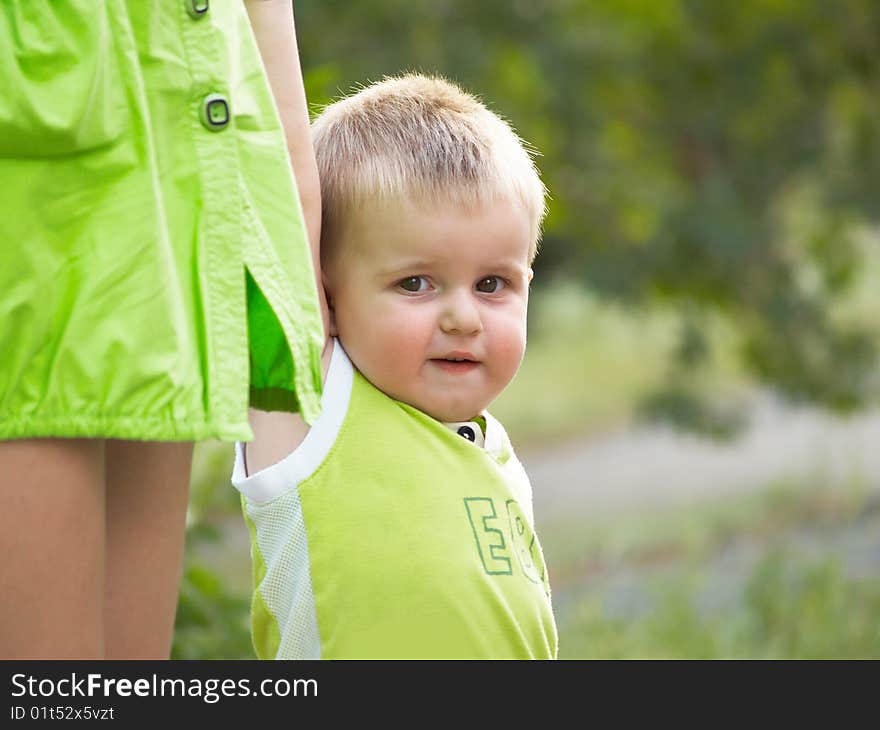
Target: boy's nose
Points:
(460, 315)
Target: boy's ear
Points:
(531, 274)
(331, 308)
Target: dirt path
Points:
(652, 466)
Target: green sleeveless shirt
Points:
(386, 535)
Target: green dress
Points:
(155, 275)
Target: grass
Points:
(789, 573)
(791, 610)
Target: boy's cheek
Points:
(512, 355)
(397, 336)
(510, 347)
(512, 322)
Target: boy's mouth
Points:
(456, 362)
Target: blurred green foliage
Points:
(792, 609)
(714, 157)
(213, 620)
(213, 612)
(790, 572)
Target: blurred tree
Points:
(716, 155)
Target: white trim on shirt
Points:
(303, 461)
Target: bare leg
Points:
(147, 490)
(51, 548)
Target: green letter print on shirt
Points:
(490, 540)
(492, 547)
(526, 545)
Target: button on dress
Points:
(155, 275)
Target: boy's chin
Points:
(442, 410)
(453, 415)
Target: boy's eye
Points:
(490, 285)
(414, 284)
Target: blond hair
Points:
(421, 138)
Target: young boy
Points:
(401, 525)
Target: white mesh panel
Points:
(287, 586)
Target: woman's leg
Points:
(51, 548)
(147, 490)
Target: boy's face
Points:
(430, 301)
